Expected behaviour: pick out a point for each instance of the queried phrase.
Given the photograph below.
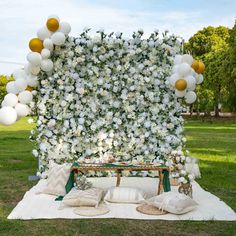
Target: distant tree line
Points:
(216, 47)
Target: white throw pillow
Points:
(76, 198)
(124, 195)
(58, 176)
(173, 202)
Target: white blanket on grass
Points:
(42, 206)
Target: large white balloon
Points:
(47, 43)
(22, 110)
(186, 58)
(184, 69)
(180, 94)
(19, 73)
(20, 84)
(175, 69)
(190, 97)
(3, 104)
(8, 115)
(10, 87)
(10, 100)
(65, 28)
(47, 65)
(58, 38)
(32, 81)
(34, 58)
(25, 97)
(31, 70)
(45, 53)
(44, 33)
(191, 81)
(177, 59)
(173, 78)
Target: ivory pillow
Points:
(172, 202)
(124, 195)
(58, 176)
(76, 198)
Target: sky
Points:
(20, 19)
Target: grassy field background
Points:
(213, 143)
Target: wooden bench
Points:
(119, 168)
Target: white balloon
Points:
(19, 73)
(65, 28)
(8, 115)
(190, 97)
(199, 79)
(175, 69)
(45, 53)
(10, 100)
(22, 110)
(32, 80)
(177, 59)
(3, 104)
(34, 58)
(47, 43)
(191, 81)
(30, 69)
(54, 16)
(10, 87)
(20, 85)
(47, 65)
(173, 78)
(184, 69)
(180, 94)
(44, 33)
(58, 38)
(25, 97)
(186, 58)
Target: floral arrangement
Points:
(104, 96)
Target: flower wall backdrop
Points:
(109, 95)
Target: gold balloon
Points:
(29, 88)
(201, 67)
(181, 84)
(195, 65)
(52, 24)
(36, 45)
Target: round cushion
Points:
(92, 211)
(150, 210)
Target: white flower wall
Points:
(108, 95)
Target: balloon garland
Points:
(20, 91)
(186, 74)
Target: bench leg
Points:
(160, 184)
(118, 173)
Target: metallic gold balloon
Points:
(201, 67)
(181, 84)
(36, 45)
(52, 24)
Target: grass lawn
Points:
(214, 143)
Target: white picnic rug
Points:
(42, 206)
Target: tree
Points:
(211, 46)
(3, 82)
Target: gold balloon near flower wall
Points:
(36, 45)
(201, 67)
(52, 24)
(181, 84)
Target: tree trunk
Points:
(217, 101)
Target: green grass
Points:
(214, 143)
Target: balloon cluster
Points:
(186, 74)
(20, 91)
